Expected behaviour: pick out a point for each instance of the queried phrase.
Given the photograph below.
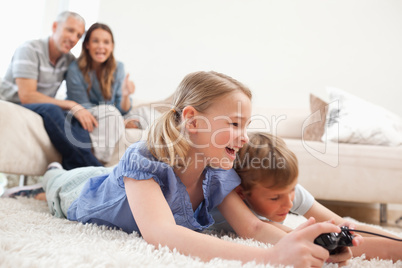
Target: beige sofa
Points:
(26, 147)
(330, 171)
(338, 171)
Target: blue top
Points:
(77, 87)
(103, 199)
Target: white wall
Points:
(20, 20)
(282, 50)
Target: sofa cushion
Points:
(26, 147)
(315, 127)
(354, 120)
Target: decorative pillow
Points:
(315, 127)
(354, 120)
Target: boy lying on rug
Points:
(165, 188)
(268, 172)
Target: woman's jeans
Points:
(67, 135)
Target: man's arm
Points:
(28, 93)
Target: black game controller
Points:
(334, 242)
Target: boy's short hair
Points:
(266, 160)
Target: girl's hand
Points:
(128, 86)
(304, 253)
(345, 253)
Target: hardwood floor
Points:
(368, 213)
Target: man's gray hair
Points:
(63, 16)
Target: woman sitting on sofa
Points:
(98, 82)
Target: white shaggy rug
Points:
(31, 237)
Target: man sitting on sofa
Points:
(34, 75)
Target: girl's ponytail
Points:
(166, 139)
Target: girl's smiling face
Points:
(273, 204)
(222, 130)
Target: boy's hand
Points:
(342, 257)
(358, 239)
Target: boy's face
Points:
(273, 204)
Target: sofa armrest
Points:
(25, 146)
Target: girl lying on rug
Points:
(165, 188)
(268, 172)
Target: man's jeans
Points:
(67, 135)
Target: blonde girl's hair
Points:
(166, 139)
(106, 72)
(267, 161)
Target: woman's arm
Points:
(76, 86)
(373, 246)
(122, 89)
(157, 225)
(76, 93)
(128, 88)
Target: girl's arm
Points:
(373, 246)
(246, 224)
(279, 226)
(157, 225)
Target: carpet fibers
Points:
(31, 237)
